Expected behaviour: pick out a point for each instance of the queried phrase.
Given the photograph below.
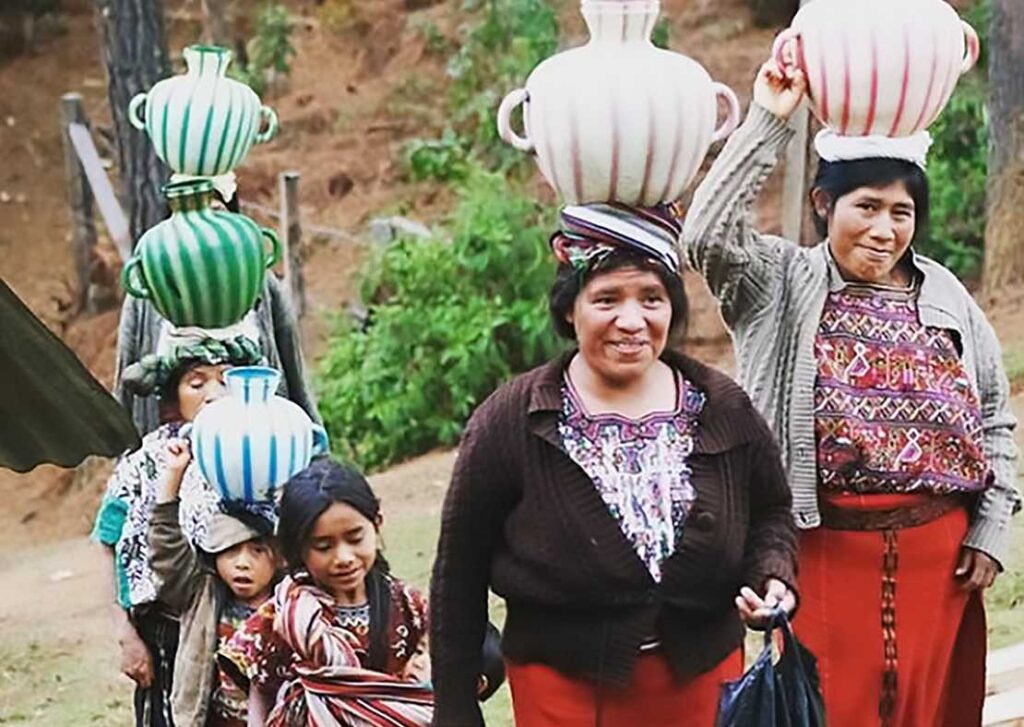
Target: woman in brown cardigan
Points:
(627, 502)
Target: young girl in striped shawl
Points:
(336, 645)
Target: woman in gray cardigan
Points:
(884, 384)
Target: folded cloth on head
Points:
(237, 344)
(590, 232)
(833, 147)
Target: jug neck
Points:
(189, 196)
(206, 60)
(620, 21)
(252, 383)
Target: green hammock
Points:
(51, 408)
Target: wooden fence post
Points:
(795, 179)
(80, 202)
(291, 238)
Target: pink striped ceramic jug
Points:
(884, 67)
(619, 119)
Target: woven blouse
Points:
(895, 410)
(639, 466)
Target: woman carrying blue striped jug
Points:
(186, 373)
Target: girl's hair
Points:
(306, 497)
(569, 282)
(838, 179)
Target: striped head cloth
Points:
(237, 344)
(590, 232)
(833, 147)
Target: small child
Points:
(215, 589)
(340, 636)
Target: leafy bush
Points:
(444, 159)
(957, 170)
(497, 53)
(450, 318)
(269, 49)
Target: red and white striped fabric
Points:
(332, 688)
(878, 67)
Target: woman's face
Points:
(198, 387)
(622, 320)
(340, 551)
(869, 230)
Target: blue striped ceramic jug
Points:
(201, 267)
(203, 123)
(250, 442)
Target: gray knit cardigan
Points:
(772, 292)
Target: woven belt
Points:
(841, 518)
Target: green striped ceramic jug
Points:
(201, 267)
(202, 123)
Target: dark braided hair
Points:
(306, 497)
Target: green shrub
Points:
(497, 53)
(444, 159)
(957, 170)
(450, 318)
(269, 49)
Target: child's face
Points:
(248, 570)
(417, 669)
(199, 386)
(340, 551)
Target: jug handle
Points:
(275, 246)
(135, 282)
(133, 111)
(321, 442)
(732, 119)
(785, 56)
(186, 431)
(972, 47)
(271, 117)
(505, 131)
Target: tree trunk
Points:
(1004, 243)
(134, 49)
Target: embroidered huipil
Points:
(124, 515)
(639, 467)
(895, 410)
(229, 704)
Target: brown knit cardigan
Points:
(522, 518)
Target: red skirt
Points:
(899, 643)
(543, 697)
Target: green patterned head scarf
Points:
(182, 348)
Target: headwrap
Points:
(832, 147)
(225, 184)
(591, 232)
(331, 687)
(237, 344)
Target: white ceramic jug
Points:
(619, 119)
(202, 123)
(251, 442)
(885, 67)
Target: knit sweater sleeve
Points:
(475, 508)
(771, 540)
(741, 266)
(990, 525)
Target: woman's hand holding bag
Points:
(781, 694)
(759, 613)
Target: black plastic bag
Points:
(784, 694)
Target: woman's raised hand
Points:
(757, 612)
(779, 92)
